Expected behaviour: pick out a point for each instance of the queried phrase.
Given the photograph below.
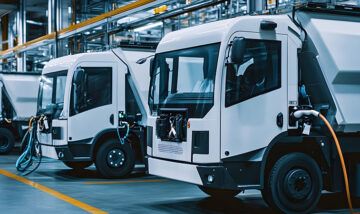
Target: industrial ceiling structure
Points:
(33, 32)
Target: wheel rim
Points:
(297, 184)
(116, 158)
(4, 142)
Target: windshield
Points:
(185, 79)
(47, 94)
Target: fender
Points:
(98, 136)
(112, 131)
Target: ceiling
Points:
(6, 6)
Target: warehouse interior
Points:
(104, 110)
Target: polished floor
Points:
(54, 188)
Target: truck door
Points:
(254, 97)
(93, 105)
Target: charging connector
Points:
(123, 124)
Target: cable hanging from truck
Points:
(31, 157)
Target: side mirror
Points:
(151, 67)
(78, 75)
(238, 49)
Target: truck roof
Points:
(65, 62)
(219, 31)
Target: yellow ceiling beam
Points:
(85, 23)
(29, 43)
(103, 16)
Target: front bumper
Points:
(63, 153)
(174, 170)
(233, 176)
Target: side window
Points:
(259, 73)
(94, 91)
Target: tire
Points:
(295, 184)
(76, 165)
(219, 193)
(7, 141)
(115, 160)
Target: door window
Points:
(94, 91)
(259, 73)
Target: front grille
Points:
(171, 149)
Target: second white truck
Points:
(228, 101)
(92, 108)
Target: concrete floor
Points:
(138, 193)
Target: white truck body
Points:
(22, 90)
(78, 132)
(18, 97)
(228, 138)
(338, 49)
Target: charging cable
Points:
(32, 150)
(300, 113)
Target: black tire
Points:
(7, 141)
(78, 165)
(115, 160)
(219, 193)
(295, 184)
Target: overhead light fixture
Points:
(34, 23)
(147, 27)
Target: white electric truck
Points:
(222, 99)
(85, 101)
(18, 97)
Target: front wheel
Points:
(78, 165)
(295, 184)
(219, 193)
(115, 160)
(7, 141)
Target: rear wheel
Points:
(114, 160)
(294, 185)
(7, 141)
(219, 193)
(78, 165)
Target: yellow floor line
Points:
(52, 192)
(126, 182)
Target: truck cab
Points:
(221, 100)
(84, 98)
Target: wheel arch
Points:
(109, 134)
(314, 145)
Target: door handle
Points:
(112, 119)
